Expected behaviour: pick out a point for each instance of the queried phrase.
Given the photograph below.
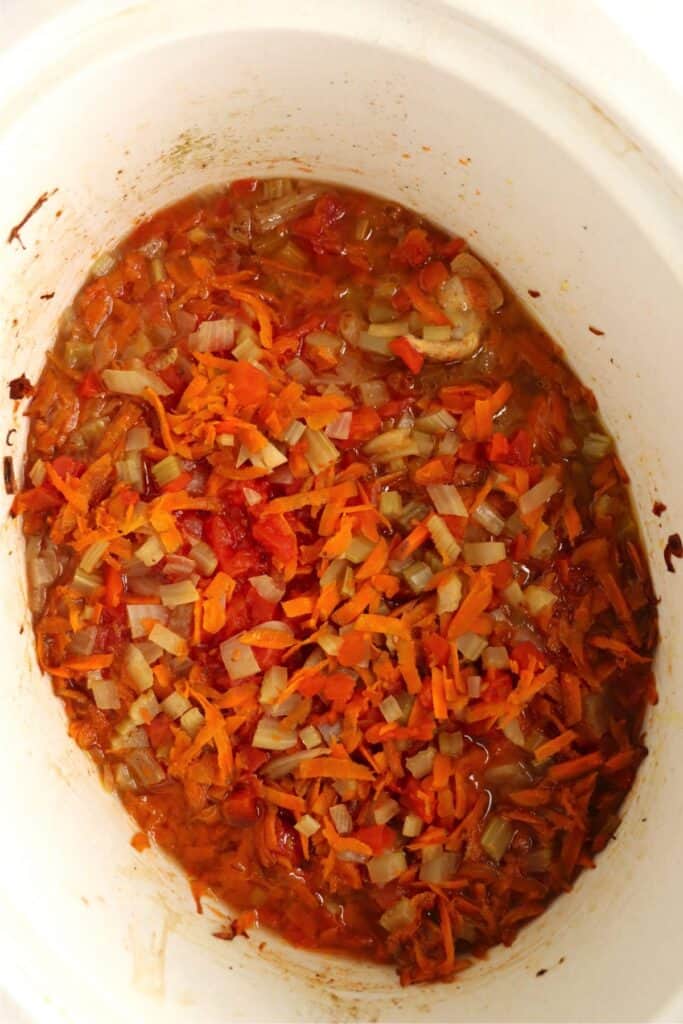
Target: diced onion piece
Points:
(175, 705)
(391, 709)
(471, 646)
(93, 555)
(204, 558)
(174, 594)
(496, 837)
(310, 737)
(444, 541)
(320, 452)
(38, 472)
(138, 668)
(390, 504)
(437, 422)
(307, 826)
(86, 582)
(278, 767)
(513, 594)
(487, 517)
(446, 500)
(270, 735)
(391, 444)
(386, 867)
(192, 721)
(273, 683)
(105, 262)
(139, 613)
(267, 588)
(145, 767)
(134, 382)
(247, 348)
(299, 371)
(212, 336)
(144, 709)
(474, 687)
(268, 457)
(449, 595)
(167, 470)
(376, 346)
(421, 763)
(537, 599)
(538, 860)
(323, 339)
(151, 552)
(129, 737)
(487, 552)
(251, 496)
(385, 810)
(374, 393)
(340, 429)
(401, 915)
(412, 826)
(596, 446)
(105, 694)
(239, 659)
(438, 869)
(341, 819)
(129, 470)
(394, 329)
(545, 545)
(329, 641)
(138, 438)
(495, 657)
(169, 641)
(513, 732)
(424, 442)
(151, 651)
(417, 576)
(358, 549)
(449, 444)
(294, 432)
(435, 332)
(538, 495)
(451, 743)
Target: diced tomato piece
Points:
(433, 276)
(414, 249)
(520, 449)
(365, 423)
(65, 466)
(378, 837)
(244, 186)
(191, 525)
(438, 648)
(91, 385)
(113, 586)
(159, 731)
(402, 348)
(241, 808)
(229, 539)
(277, 537)
(499, 448)
(524, 652)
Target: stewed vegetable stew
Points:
(335, 569)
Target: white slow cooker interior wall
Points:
(556, 197)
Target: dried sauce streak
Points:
(362, 638)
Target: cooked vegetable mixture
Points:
(336, 572)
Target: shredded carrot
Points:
(333, 768)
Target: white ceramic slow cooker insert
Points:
(116, 109)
